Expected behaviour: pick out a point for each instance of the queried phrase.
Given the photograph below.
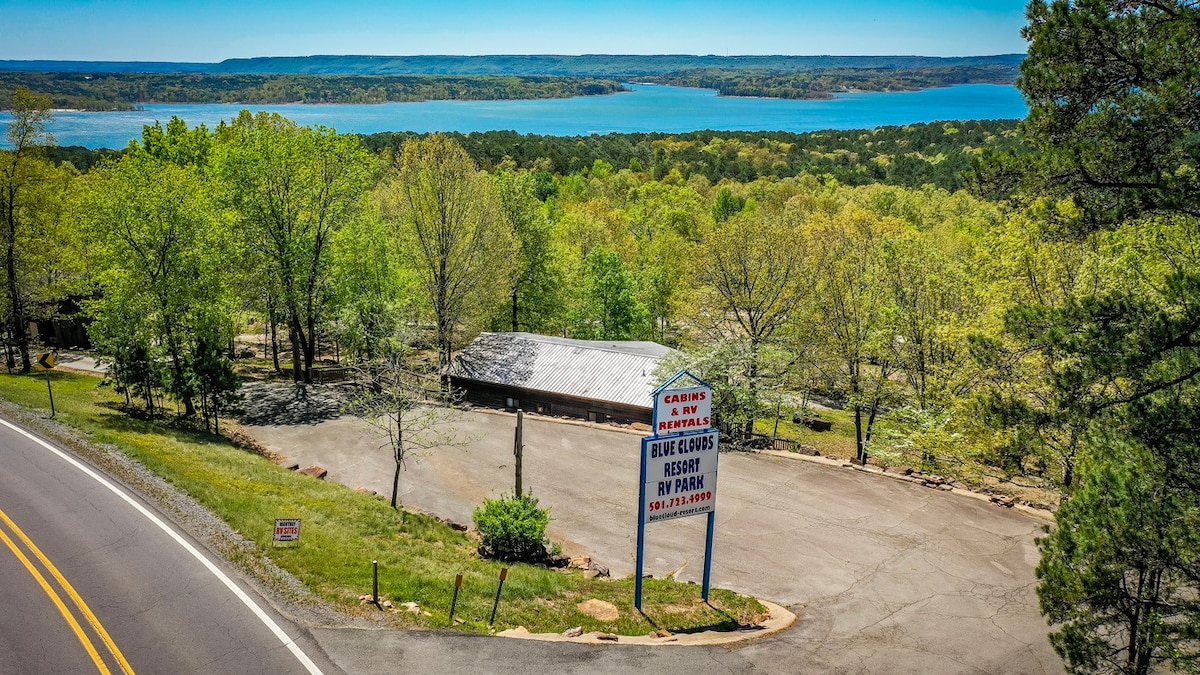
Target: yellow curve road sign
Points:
(46, 360)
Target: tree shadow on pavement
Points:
(277, 403)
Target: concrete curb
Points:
(602, 426)
(1040, 514)
(780, 620)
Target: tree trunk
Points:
(182, 389)
(119, 374)
(753, 377)
(204, 406)
(275, 345)
(310, 348)
(395, 484)
(515, 326)
(297, 370)
(149, 393)
(870, 425)
(16, 313)
(859, 448)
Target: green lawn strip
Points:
(343, 530)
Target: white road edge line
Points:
(246, 600)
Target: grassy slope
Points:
(837, 442)
(343, 530)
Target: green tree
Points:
(1113, 120)
(726, 205)
(177, 143)
(848, 301)
(372, 291)
(292, 189)
(1118, 572)
(213, 378)
(162, 254)
(755, 279)
(26, 133)
(1113, 129)
(452, 232)
(536, 297)
(610, 309)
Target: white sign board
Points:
(681, 475)
(287, 529)
(680, 410)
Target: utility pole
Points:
(518, 448)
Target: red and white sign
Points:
(287, 529)
(684, 409)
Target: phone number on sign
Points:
(680, 501)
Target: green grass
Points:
(344, 530)
(837, 442)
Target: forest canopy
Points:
(123, 91)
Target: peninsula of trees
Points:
(823, 83)
(124, 91)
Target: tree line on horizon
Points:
(124, 91)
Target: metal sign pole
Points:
(712, 521)
(51, 391)
(518, 449)
(641, 534)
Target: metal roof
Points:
(615, 371)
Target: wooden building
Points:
(597, 380)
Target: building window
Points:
(593, 416)
(543, 408)
(512, 404)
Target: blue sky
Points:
(212, 30)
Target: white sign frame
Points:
(284, 529)
(681, 475)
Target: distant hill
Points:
(587, 65)
(104, 66)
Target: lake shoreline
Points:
(640, 109)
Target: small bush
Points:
(513, 528)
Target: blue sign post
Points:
(678, 476)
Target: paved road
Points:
(163, 610)
(885, 576)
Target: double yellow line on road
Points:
(69, 590)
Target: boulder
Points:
(599, 610)
(314, 471)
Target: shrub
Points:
(513, 528)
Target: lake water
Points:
(646, 108)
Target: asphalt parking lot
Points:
(885, 576)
